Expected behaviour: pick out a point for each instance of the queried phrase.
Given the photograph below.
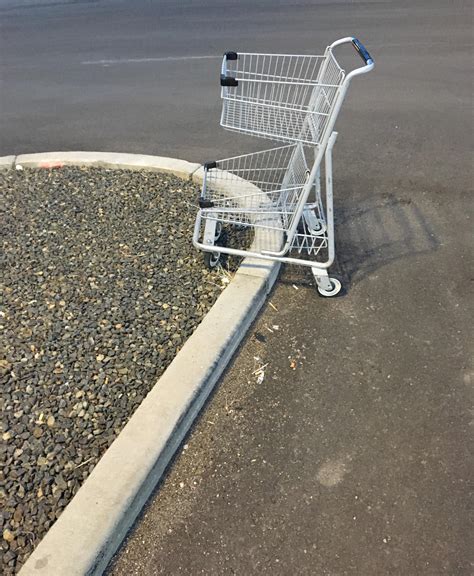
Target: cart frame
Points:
(299, 112)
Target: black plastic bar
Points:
(209, 165)
(205, 203)
(231, 55)
(362, 50)
(228, 81)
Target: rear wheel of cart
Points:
(336, 287)
(215, 259)
(212, 259)
(320, 229)
(218, 232)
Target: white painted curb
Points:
(7, 162)
(107, 160)
(93, 525)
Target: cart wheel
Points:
(218, 232)
(212, 259)
(334, 291)
(320, 231)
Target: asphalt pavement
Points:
(352, 457)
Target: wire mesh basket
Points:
(245, 186)
(286, 98)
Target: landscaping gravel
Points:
(101, 286)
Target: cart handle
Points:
(363, 52)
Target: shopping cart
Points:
(294, 100)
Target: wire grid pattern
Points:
(267, 182)
(309, 244)
(263, 190)
(266, 169)
(307, 241)
(281, 97)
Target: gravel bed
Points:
(100, 288)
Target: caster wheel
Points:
(212, 259)
(334, 291)
(218, 232)
(320, 231)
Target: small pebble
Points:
(8, 535)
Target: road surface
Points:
(352, 456)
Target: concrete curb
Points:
(7, 162)
(107, 160)
(93, 525)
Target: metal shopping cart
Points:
(294, 100)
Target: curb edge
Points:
(7, 162)
(181, 168)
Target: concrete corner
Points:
(7, 162)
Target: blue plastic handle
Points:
(363, 52)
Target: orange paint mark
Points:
(51, 165)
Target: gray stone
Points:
(105, 286)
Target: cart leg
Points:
(212, 231)
(313, 224)
(327, 286)
(212, 235)
(329, 197)
(317, 185)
